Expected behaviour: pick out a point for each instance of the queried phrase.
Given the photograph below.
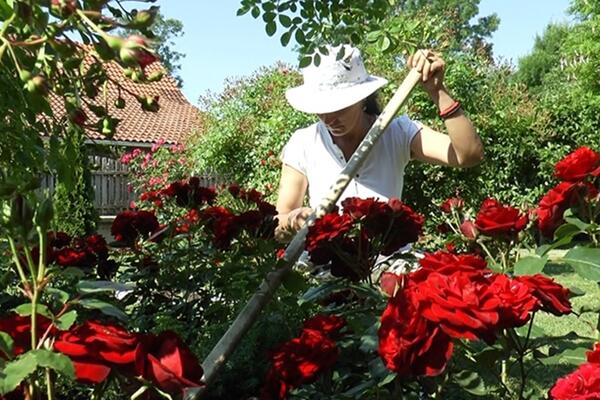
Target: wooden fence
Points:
(109, 180)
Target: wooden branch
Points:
(229, 341)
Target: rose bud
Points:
(37, 85)
(77, 116)
(63, 8)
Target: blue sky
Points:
(218, 44)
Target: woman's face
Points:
(344, 121)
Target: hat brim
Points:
(314, 101)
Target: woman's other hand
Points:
(432, 67)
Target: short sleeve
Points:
(407, 131)
(294, 152)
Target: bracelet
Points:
(449, 111)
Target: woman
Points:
(342, 94)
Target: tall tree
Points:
(165, 31)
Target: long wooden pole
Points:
(229, 341)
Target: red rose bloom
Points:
(406, 226)
(447, 263)
(452, 203)
(222, 224)
(298, 361)
(409, 344)
(69, 257)
(19, 329)
(168, 363)
(553, 205)
(582, 384)
(516, 298)
(578, 164)
(469, 229)
(128, 225)
(593, 356)
(326, 229)
(495, 219)
(462, 304)
(374, 215)
(96, 348)
(329, 325)
(552, 297)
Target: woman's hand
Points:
(297, 217)
(431, 65)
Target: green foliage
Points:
(246, 127)
(165, 30)
(74, 212)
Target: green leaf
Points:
(317, 59)
(87, 287)
(574, 356)
(585, 261)
(56, 361)
(66, 320)
(566, 232)
(285, 38)
(16, 371)
(25, 309)
(294, 282)
(285, 21)
(104, 307)
(242, 10)
(583, 226)
(271, 28)
(315, 293)
(530, 265)
(255, 12)
(300, 38)
(471, 382)
(536, 331)
(385, 43)
(6, 344)
(60, 295)
(305, 61)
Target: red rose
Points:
(553, 297)
(409, 344)
(578, 164)
(326, 229)
(582, 384)
(445, 263)
(452, 203)
(168, 363)
(19, 329)
(553, 205)
(329, 325)
(128, 225)
(469, 229)
(96, 348)
(97, 244)
(406, 226)
(594, 355)
(462, 304)
(495, 219)
(69, 257)
(58, 239)
(134, 51)
(298, 361)
(222, 224)
(517, 300)
(375, 215)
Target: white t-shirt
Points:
(312, 152)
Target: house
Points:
(172, 123)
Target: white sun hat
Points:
(334, 84)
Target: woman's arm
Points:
(462, 146)
(292, 189)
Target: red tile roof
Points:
(172, 123)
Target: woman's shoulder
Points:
(307, 134)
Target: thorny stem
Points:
(17, 262)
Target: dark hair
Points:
(372, 104)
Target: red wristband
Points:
(449, 111)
